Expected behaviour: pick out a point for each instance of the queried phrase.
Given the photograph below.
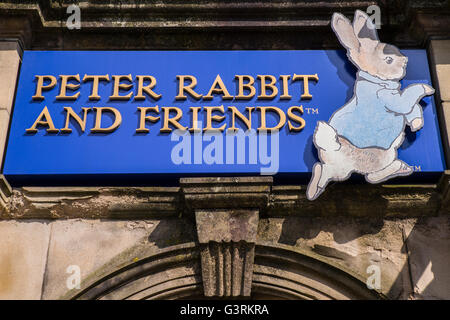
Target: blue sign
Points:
(120, 117)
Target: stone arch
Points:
(279, 272)
(290, 273)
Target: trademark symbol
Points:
(312, 110)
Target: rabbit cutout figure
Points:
(363, 136)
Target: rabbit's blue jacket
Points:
(376, 114)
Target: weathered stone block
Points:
(428, 243)
(9, 66)
(23, 255)
(4, 127)
(445, 126)
(440, 51)
(354, 244)
(227, 225)
(440, 58)
(88, 244)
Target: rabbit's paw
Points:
(416, 124)
(314, 190)
(429, 90)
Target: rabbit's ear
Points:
(365, 30)
(344, 31)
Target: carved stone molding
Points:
(214, 24)
(412, 200)
(92, 202)
(280, 272)
(5, 191)
(16, 28)
(227, 215)
(227, 247)
(226, 192)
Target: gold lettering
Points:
(242, 86)
(147, 89)
(296, 118)
(285, 95)
(221, 90)
(189, 88)
(40, 86)
(210, 118)
(98, 120)
(280, 113)
(71, 113)
(144, 117)
(44, 119)
(173, 121)
(265, 85)
(305, 78)
(195, 127)
(95, 81)
(235, 112)
(121, 86)
(65, 85)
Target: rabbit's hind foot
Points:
(395, 169)
(314, 190)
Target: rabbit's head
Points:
(365, 50)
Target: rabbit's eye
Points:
(388, 60)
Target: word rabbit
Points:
(363, 136)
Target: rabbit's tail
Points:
(325, 137)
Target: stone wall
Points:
(222, 237)
(412, 254)
(222, 221)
